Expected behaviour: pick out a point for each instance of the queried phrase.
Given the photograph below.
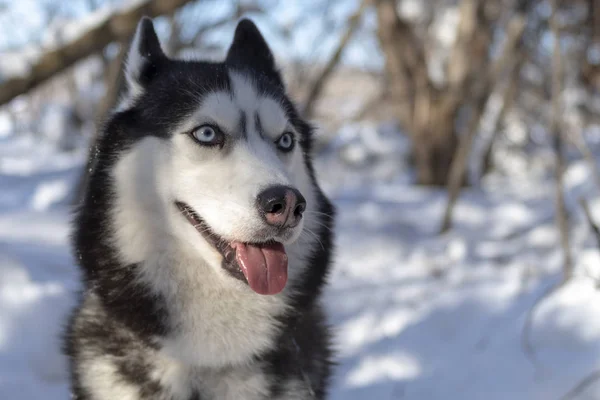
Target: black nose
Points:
(281, 206)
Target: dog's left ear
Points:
(250, 50)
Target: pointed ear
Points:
(145, 57)
(250, 50)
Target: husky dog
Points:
(203, 237)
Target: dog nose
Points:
(281, 206)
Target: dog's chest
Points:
(217, 321)
(240, 383)
(251, 386)
(249, 382)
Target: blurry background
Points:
(458, 138)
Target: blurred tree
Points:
(443, 67)
(317, 87)
(590, 69)
(119, 25)
(433, 112)
(510, 58)
(556, 129)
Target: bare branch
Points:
(405, 62)
(582, 146)
(370, 105)
(458, 167)
(582, 385)
(562, 221)
(319, 83)
(509, 97)
(117, 27)
(588, 216)
(471, 48)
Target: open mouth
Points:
(262, 265)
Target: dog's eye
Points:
(285, 142)
(207, 135)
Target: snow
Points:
(416, 315)
(37, 276)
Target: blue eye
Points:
(285, 142)
(208, 135)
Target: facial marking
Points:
(270, 120)
(244, 93)
(258, 125)
(243, 125)
(272, 117)
(219, 108)
(242, 112)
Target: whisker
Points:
(315, 236)
(324, 225)
(319, 213)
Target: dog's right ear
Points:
(250, 50)
(145, 58)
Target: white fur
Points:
(295, 390)
(236, 383)
(133, 65)
(217, 108)
(101, 375)
(174, 376)
(218, 321)
(244, 93)
(272, 117)
(231, 383)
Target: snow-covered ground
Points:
(417, 315)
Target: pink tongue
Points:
(264, 266)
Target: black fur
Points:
(153, 56)
(249, 50)
(119, 317)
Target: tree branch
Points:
(588, 216)
(463, 56)
(515, 30)
(405, 62)
(509, 97)
(470, 54)
(562, 221)
(582, 385)
(118, 26)
(319, 83)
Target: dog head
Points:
(217, 159)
